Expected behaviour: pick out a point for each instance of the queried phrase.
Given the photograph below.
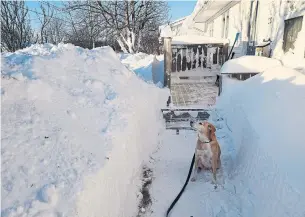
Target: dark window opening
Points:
(292, 28)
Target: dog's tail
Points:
(182, 190)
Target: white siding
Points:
(270, 24)
(218, 27)
(235, 24)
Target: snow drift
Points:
(74, 132)
(148, 67)
(266, 116)
(249, 64)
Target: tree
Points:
(130, 20)
(16, 32)
(85, 25)
(45, 18)
(126, 21)
(55, 31)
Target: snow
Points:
(166, 31)
(294, 58)
(171, 164)
(148, 67)
(74, 132)
(265, 114)
(260, 129)
(188, 24)
(197, 39)
(249, 64)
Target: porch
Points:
(191, 68)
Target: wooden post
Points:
(167, 61)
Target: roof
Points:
(197, 39)
(178, 21)
(212, 9)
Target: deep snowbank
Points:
(266, 116)
(76, 127)
(148, 67)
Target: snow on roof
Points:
(178, 21)
(166, 31)
(249, 64)
(197, 39)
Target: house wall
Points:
(269, 24)
(176, 29)
(234, 22)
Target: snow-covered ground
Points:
(148, 67)
(77, 127)
(74, 132)
(260, 127)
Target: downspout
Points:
(255, 21)
(249, 27)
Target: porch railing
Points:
(238, 76)
(204, 56)
(181, 58)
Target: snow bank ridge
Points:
(74, 132)
(265, 114)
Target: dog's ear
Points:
(212, 128)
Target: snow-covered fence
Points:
(194, 56)
(238, 76)
(245, 67)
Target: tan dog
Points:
(207, 152)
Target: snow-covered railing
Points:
(204, 56)
(238, 76)
(245, 67)
(184, 55)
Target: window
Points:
(292, 28)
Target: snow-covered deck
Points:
(196, 91)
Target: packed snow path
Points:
(171, 164)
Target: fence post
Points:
(167, 61)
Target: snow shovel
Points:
(236, 38)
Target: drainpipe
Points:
(249, 28)
(255, 19)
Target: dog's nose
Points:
(200, 123)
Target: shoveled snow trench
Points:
(171, 163)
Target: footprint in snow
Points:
(71, 114)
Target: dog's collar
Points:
(205, 141)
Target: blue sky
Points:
(178, 9)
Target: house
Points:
(273, 23)
(176, 26)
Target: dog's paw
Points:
(214, 182)
(193, 179)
